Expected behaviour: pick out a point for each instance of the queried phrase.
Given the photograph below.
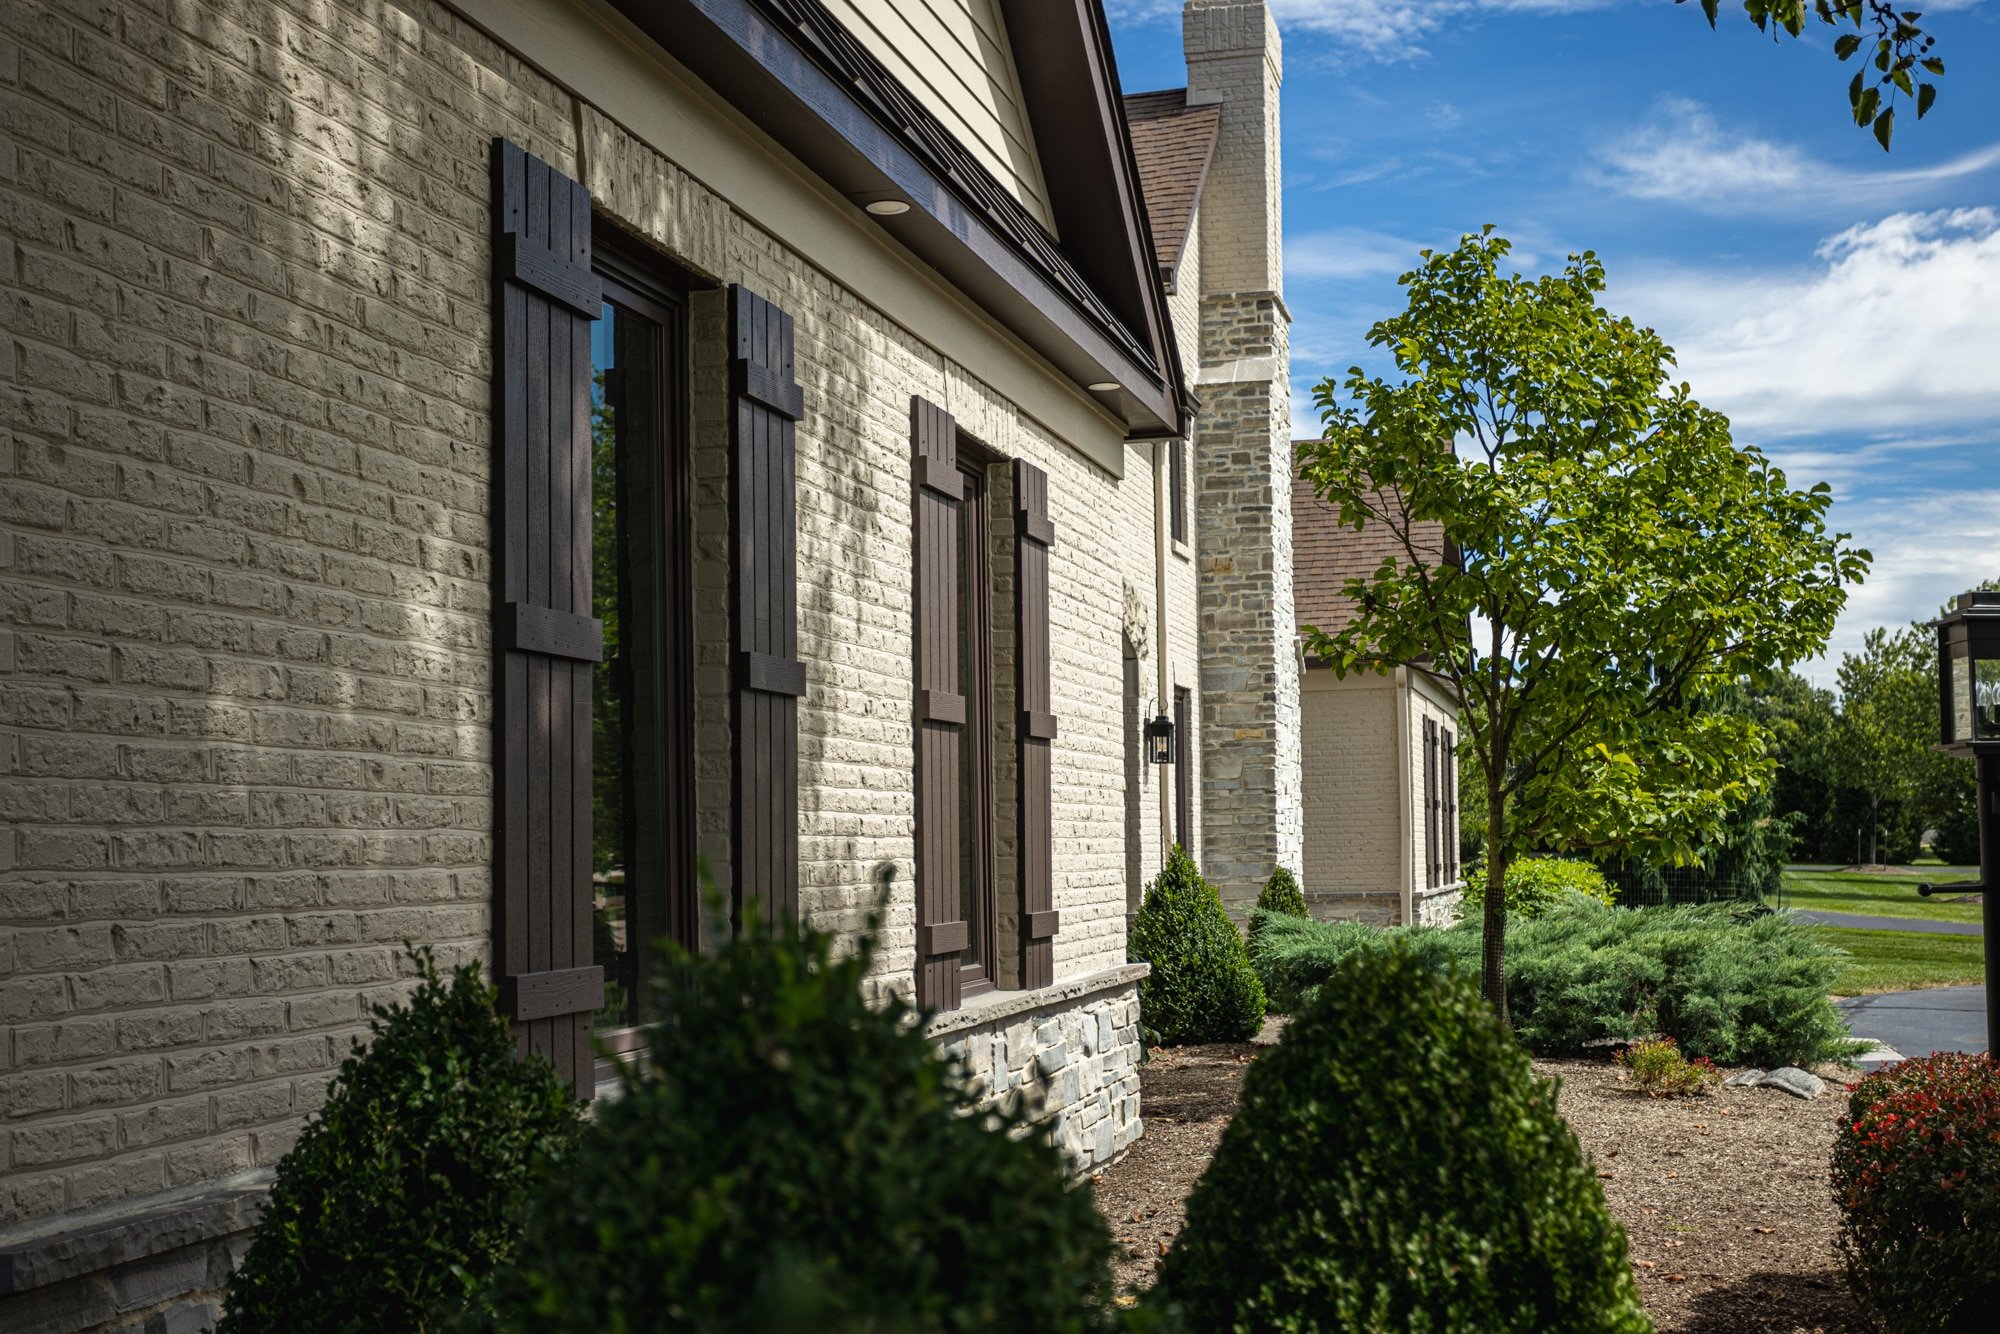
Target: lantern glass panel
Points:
(1961, 693)
(1984, 682)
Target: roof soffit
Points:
(794, 71)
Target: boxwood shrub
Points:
(1395, 1165)
(798, 1158)
(411, 1183)
(1201, 988)
(1916, 1174)
(1281, 894)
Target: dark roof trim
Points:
(796, 73)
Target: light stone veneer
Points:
(1071, 1050)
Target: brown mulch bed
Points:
(1724, 1198)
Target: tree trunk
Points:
(1493, 925)
(1874, 826)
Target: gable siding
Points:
(955, 57)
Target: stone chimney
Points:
(1252, 799)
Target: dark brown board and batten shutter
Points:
(1035, 735)
(767, 404)
(937, 491)
(546, 643)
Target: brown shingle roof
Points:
(1173, 143)
(1326, 554)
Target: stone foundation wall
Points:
(158, 1271)
(1438, 907)
(1072, 1048)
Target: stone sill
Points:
(165, 1222)
(1182, 549)
(998, 1005)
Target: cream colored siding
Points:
(954, 56)
(1354, 837)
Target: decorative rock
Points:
(1744, 1079)
(1797, 1082)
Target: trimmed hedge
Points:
(1736, 990)
(1395, 1165)
(1201, 988)
(1916, 1173)
(412, 1182)
(797, 1158)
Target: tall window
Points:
(642, 759)
(975, 751)
(1177, 486)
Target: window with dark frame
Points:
(1177, 487)
(975, 751)
(642, 862)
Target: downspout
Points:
(1406, 877)
(1160, 539)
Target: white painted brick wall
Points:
(244, 578)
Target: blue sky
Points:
(1840, 304)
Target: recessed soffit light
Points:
(1103, 386)
(887, 208)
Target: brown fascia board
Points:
(1069, 83)
(791, 69)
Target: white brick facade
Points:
(245, 568)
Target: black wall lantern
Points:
(1160, 740)
(1969, 724)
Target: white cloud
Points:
(1927, 549)
(1894, 329)
(1685, 157)
(1349, 253)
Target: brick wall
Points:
(243, 568)
(244, 574)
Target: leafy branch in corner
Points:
(1899, 50)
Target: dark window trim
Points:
(976, 556)
(1177, 487)
(634, 279)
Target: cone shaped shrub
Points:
(797, 1158)
(411, 1183)
(1395, 1165)
(1202, 988)
(1281, 894)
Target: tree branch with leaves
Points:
(1614, 559)
(1898, 48)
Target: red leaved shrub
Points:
(1916, 1173)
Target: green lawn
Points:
(1880, 895)
(1902, 960)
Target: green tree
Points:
(1804, 724)
(1613, 559)
(1888, 720)
(1889, 39)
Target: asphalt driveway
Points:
(1917, 1023)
